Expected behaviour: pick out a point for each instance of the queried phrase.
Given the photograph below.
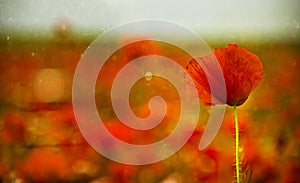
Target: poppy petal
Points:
(241, 69)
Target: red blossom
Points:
(122, 173)
(242, 71)
(13, 129)
(42, 165)
(142, 47)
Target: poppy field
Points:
(40, 140)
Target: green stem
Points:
(237, 150)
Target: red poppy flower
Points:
(140, 48)
(242, 71)
(13, 129)
(44, 165)
(122, 172)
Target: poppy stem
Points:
(237, 146)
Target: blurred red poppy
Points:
(44, 165)
(139, 48)
(121, 172)
(242, 71)
(13, 129)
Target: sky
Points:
(214, 16)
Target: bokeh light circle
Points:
(49, 85)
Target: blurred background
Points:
(42, 42)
